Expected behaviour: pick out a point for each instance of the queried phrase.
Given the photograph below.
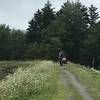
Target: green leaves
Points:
(93, 15)
(42, 18)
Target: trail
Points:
(67, 78)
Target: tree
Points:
(75, 17)
(54, 29)
(42, 18)
(91, 51)
(32, 51)
(50, 50)
(48, 14)
(84, 12)
(34, 28)
(17, 44)
(4, 42)
(70, 26)
(93, 15)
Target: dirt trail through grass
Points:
(68, 78)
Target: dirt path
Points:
(67, 77)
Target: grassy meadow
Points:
(40, 80)
(89, 78)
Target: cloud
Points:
(17, 13)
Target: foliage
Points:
(4, 41)
(42, 18)
(93, 15)
(92, 47)
(38, 81)
(17, 44)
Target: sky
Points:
(17, 13)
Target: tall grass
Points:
(9, 67)
(37, 82)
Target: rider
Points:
(61, 57)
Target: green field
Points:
(40, 80)
(89, 78)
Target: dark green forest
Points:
(75, 28)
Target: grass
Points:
(37, 82)
(40, 80)
(9, 67)
(72, 93)
(90, 79)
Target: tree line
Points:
(74, 28)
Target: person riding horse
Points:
(62, 58)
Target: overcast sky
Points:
(17, 13)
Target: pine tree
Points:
(42, 18)
(4, 41)
(93, 15)
(48, 14)
(34, 28)
(75, 18)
